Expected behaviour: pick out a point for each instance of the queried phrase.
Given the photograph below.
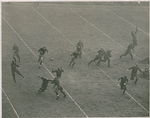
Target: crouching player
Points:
(123, 83)
(58, 88)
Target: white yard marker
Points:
(10, 103)
(88, 58)
(101, 31)
(127, 21)
(45, 68)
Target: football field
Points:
(92, 91)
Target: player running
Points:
(128, 51)
(59, 88)
(134, 37)
(74, 58)
(16, 52)
(58, 72)
(134, 72)
(14, 70)
(107, 57)
(44, 84)
(41, 56)
(123, 83)
(79, 48)
(98, 56)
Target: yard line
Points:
(10, 103)
(45, 67)
(52, 25)
(98, 67)
(101, 31)
(126, 21)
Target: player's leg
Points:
(90, 62)
(62, 91)
(40, 90)
(80, 53)
(13, 74)
(124, 89)
(124, 54)
(136, 79)
(131, 55)
(39, 58)
(19, 73)
(108, 62)
(56, 91)
(99, 60)
(132, 76)
(44, 88)
(71, 61)
(41, 62)
(96, 58)
(121, 85)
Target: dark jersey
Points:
(58, 72)
(55, 81)
(80, 44)
(130, 47)
(101, 52)
(13, 66)
(42, 50)
(78, 48)
(123, 80)
(45, 81)
(15, 49)
(75, 54)
(135, 69)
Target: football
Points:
(51, 59)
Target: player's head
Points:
(125, 76)
(13, 61)
(44, 47)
